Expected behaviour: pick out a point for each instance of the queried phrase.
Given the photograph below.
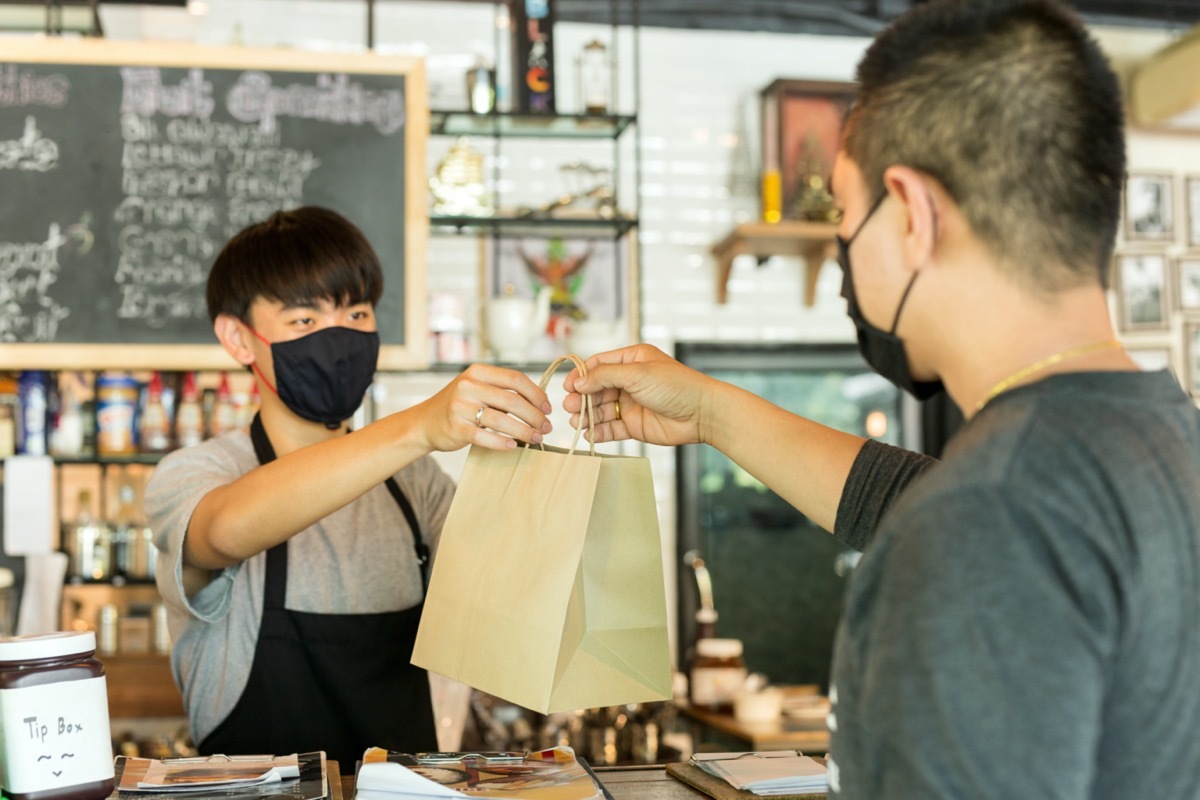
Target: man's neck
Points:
(289, 432)
(1017, 332)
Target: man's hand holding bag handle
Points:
(548, 587)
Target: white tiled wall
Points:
(699, 133)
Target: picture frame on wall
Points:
(592, 284)
(1151, 359)
(801, 129)
(1149, 208)
(1191, 358)
(1142, 290)
(1187, 283)
(1191, 195)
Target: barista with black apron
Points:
(293, 299)
(315, 676)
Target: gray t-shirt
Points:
(1026, 620)
(359, 559)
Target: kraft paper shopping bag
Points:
(548, 589)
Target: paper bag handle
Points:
(587, 401)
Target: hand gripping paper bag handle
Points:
(547, 589)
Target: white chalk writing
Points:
(144, 93)
(334, 98)
(28, 270)
(32, 152)
(23, 87)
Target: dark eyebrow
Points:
(306, 304)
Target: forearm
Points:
(277, 500)
(802, 461)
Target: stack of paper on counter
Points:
(769, 774)
(547, 775)
(300, 776)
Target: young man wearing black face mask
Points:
(1025, 621)
(293, 554)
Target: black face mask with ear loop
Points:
(322, 377)
(882, 350)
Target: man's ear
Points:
(912, 189)
(233, 335)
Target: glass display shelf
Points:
(516, 226)
(91, 458)
(534, 126)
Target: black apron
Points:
(334, 682)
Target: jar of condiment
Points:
(116, 404)
(717, 674)
(54, 718)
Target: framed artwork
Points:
(1191, 358)
(1149, 208)
(1142, 291)
(801, 129)
(1151, 359)
(592, 287)
(1192, 197)
(1187, 276)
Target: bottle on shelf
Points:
(33, 390)
(224, 413)
(189, 416)
(67, 438)
(88, 543)
(154, 424)
(247, 409)
(8, 431)
(9, 407)
(116, 404)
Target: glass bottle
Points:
(595, 78)
(189, 417)
(155, 430)
(224, 413)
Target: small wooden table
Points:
(808, 735)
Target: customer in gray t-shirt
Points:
(1025, 621)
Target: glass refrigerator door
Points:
(778, 579)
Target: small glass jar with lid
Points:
(54, 718)
(717, 674)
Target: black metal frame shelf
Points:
(519, 226)
(445, 122)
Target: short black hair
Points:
(294, 257)
(1012, 106)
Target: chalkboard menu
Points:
(125, 167)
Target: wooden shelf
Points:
(141, 686)
(139, 683)
(814, 242)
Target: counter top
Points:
(649, 782)
(809, 735)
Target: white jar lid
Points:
(37, 646)
(6, 577)
(719, 648)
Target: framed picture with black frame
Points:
(1142, 291)
(1191, 194)
(801, 130)
(1149, 208)
(1191, 358)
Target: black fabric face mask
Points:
(882, 350)
(323, 376)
